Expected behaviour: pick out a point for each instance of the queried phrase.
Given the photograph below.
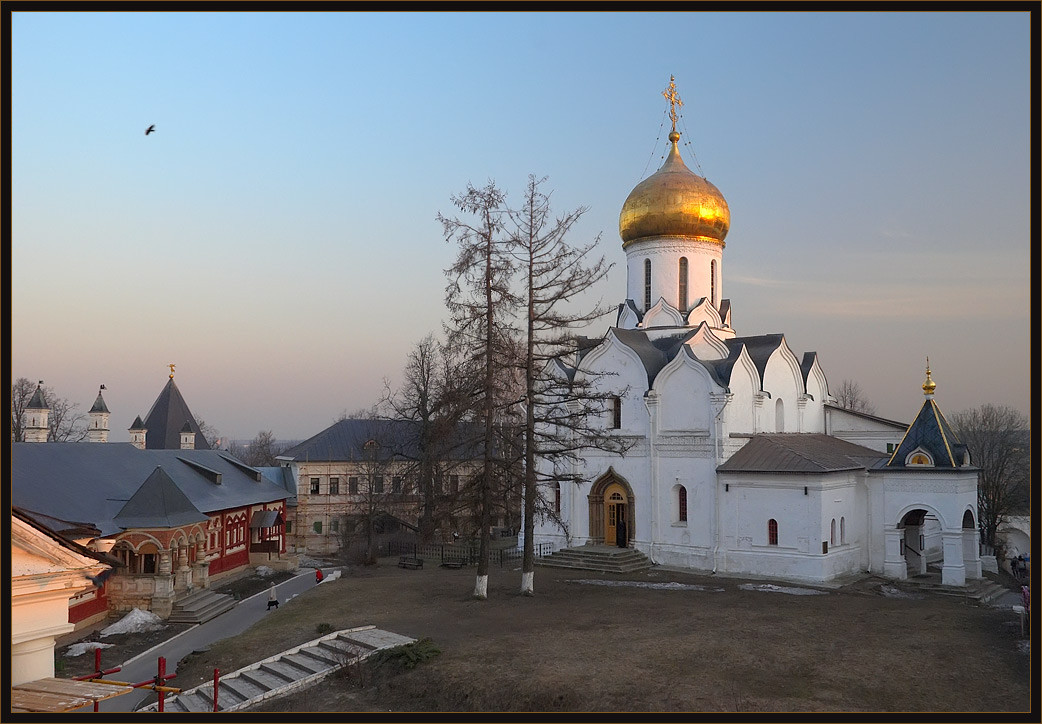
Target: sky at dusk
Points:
(276, 237)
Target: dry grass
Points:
(575, 647)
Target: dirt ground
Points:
(660, 641)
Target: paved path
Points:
(230, 623)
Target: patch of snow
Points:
(136, 621)
(893, 592)
(85, 646)
(264, 571)
(771, 588)
(671, 586)
(1024, 646)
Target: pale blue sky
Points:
(276, 238)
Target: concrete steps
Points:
(200, 607)
(605, 559)
(980, 591)
(293, 669)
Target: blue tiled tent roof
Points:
(929, 431)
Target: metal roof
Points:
(800, 453)
(345, 441)
(158, 503)
(167, 418)
(93, 482)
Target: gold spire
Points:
(670, 94)
(171, 371)
(929, 385)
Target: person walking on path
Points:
(318, 575)
(273, 598)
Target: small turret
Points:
(137, 433)
(98, 431)
(187, 437)
(35, 417)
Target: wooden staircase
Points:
(602, 558)
(200, 607)
(280, 674)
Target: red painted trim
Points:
(87, 609)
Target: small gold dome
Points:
(929, 386)
(674, 201)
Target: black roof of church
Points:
(931, 432)
(167, 419)
(800, 453)
(93, 482)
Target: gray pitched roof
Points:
(158, 503)
(283, 477)
(800, 453)
(93, 481)
(166, 419)
(137, 424)
(99, 404)
(346, 439)
(37, 402)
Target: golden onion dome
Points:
(674, 201)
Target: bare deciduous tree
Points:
(850, 396)
(433, 396)
(997, 438)
(554, 276)
(261, 451)
(480, 304)
(65, 423)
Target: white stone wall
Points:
(665, 254)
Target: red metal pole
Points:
(97, 669)
(97, 674)
(159, 680)
(216, 676)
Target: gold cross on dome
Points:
(670, 94)
(171, 371)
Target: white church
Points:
(739, 460)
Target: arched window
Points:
(842, 530)
(772, 532)
(779, 416)
(647, 284)
(832, 533)
(712, 282)
(616, 412)
(557, 498)
(682, 285)
(682, 504)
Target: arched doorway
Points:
(914, 548)
(611, 510)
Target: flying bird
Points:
(99, 580)
(150, 129)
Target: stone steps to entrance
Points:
(980, 591)
(604, 559)
(293, 669)
(200, 607)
